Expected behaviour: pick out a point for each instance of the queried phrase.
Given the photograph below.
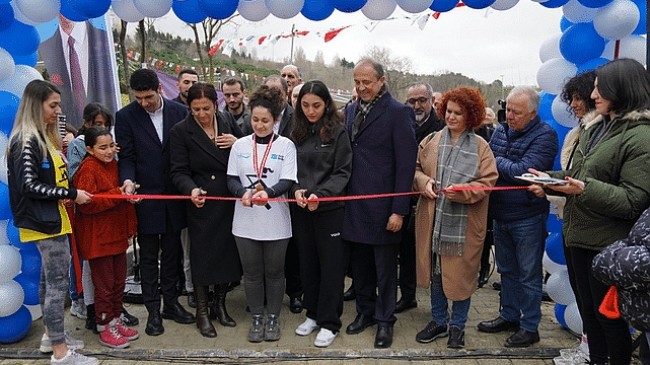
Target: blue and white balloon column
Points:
(592, 32)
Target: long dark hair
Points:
(580, 87)
(91, 111)
(332, 120)
(626, 84)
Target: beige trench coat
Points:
(459, 273)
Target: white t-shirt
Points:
(258, 222)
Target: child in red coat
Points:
(104, 227)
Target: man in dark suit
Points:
(94, 55)
(383, 161)
(142, 131)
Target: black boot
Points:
(90, 318)
(218, 309)
(202, 319)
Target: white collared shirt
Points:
(157, 119)
(80, 35)
(276, 125)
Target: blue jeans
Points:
(439, 306)
(519, 248)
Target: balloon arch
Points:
(593, 32)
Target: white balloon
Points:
(558, 288)
(21, 77)
(553, 73)
(7, 65)
(504, 4)
(285, 9)
(20, 16)
(578, 13)
(414, 6)
(4, 240)
(561, 113)
(551, 266)
(9, 262)
(39, 11)
(617, 20)
(35, 311)
(153, 8)
(633, 46)
(253, 10)
(126, 10)
(3, 169)
(11, 298)
(573, 319)
(550, 48)
(378, 9)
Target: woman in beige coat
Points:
(450, 225)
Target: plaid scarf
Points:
(362, 110)
(457, 164)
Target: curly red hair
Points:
(470, 101)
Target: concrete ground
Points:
(183, 344)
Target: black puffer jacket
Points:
(626, 264)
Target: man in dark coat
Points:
(383, 161)
(94, 53)
(142, 131)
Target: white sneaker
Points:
(73, 343)
(78, 309)
(73, 358)
(324, 338)
(306, 327)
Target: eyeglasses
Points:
(420, 100)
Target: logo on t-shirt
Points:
(275, 156)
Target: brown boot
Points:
(218, 309)
(202, 319)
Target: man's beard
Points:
(420, 117)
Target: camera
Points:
(501, 113)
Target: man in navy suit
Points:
(142, 131)
(94, 52)
(382, 131)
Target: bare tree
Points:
(397, 69)
(209, 29)
(125, 58)
(143, 40)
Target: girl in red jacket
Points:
(104, 227)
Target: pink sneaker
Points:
(109, 336)
(125, 331)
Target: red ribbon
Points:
(323, 199)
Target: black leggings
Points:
(608, 339)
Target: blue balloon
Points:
(30, 287)
(595, 3)
(317, 9)
(8, 108)
(91, 8)
(580, 43)
(188, 11)
(643, 20)
(29, 60)
(545, 103)
(20, 39)
(5, 209)
(552, 4)
(443, 5)
(554, 224)
(559, 314)
(6, 16)
(565, 23)
(591, 65)
(15, 327)
(71, 9)
(12, 234)
(554, 248)
(348, 6)
(218, 9)
(479, 4)
(31, 263)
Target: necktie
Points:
(75, 75)
(356, 123)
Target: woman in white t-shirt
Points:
(261, 166)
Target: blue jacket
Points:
(515, 152)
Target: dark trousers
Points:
(322, 264)
(292, 270)
(169, 246)
(407, 258)
(607, 337)
(109, 278)
(374, 270)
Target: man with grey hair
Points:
(524, 142)
(291, 74)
